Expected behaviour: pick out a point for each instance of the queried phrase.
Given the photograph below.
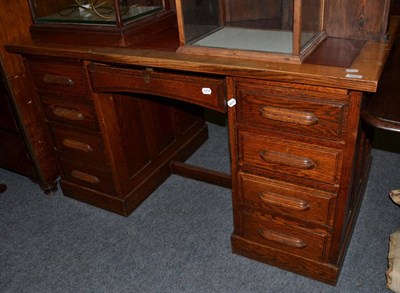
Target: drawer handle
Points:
(85, 177)
(284, 201)
(77, 145)
(282, 238)
(68, 114)
(287, 160)
(288, 115)
(58, 79)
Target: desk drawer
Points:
(82, 145)
(59, 76)
(273, 196)
(70, 112)
(290, 110)
(208, 92)
(94, 176)
(290, 157)
(283, 235)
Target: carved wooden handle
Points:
(77, 145)
(284, 201)
(68, 114)
(282, 238)
(85, 177)
(288, 115)
(287, 160)
(58, 79)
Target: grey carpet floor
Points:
(176, 241)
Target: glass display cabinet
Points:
(98, 22)
(284, 30)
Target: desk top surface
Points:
(363, 74)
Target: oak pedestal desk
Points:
(123, 119)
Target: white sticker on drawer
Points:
(354, 76)
(231, 103)
(206, 91)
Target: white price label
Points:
(231, 103)
(354, 76)
(206, 91)
(351, 70)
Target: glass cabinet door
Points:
(311, 20)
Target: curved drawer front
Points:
(306, 113)
(208, 92)
(290, 157)
(59, 76)
(70, 112)
(283, 235)
(272, 196)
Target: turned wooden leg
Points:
(49, 188)
(3, 188)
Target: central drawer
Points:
(209, 92)
(290, 157)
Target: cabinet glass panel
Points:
(105, 12)
(311, 21)
(286, 30)
(260, 25)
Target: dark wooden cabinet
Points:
(14, 154)
(24, 141)
(7, 119)
(17, 153)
